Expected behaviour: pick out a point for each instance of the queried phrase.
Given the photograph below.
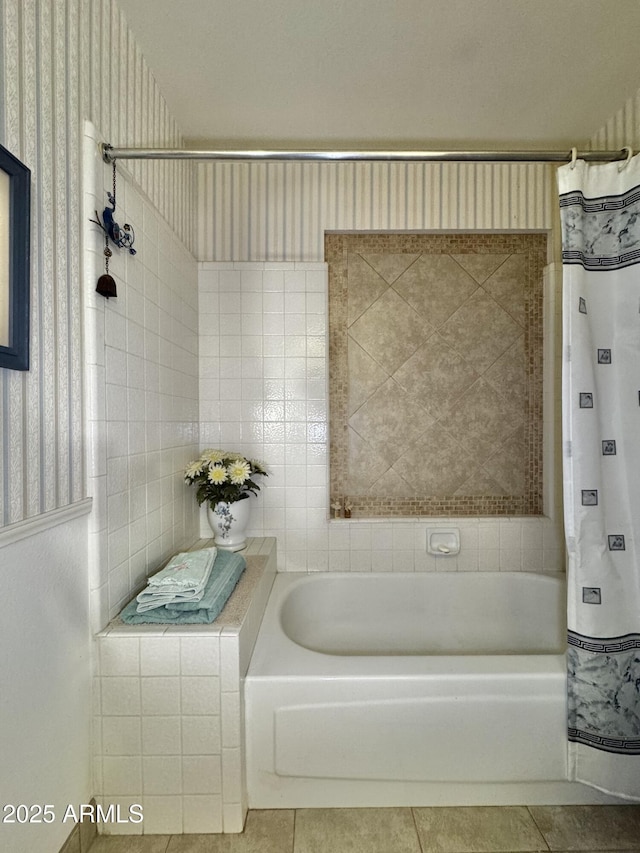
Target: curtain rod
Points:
(111, 153)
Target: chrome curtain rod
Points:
(111, 153)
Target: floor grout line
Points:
(535, 823)
(415, 824)
(293, 833)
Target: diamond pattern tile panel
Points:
(365, 286)
(390, 421)
(391, 485)
(481, 330)
(365, 376)
(480, 483)
(388, 265)
(436, 286)
(365, 464)
(480, 266)
(436, 464)
(390, 331)
(507, 374)
(437, 374)
(505, 286)
(481, 420)
(501, 468)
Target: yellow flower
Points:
(239, 471)
(217, 475)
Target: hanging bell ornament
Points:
(106, 286)
(122, 238)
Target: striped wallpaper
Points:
(63, 61)
(623, 128)
(280, 211)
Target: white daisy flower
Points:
(217, 474)
(193, 469)
(239, 471)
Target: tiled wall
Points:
(92, 68)
(168, 715)
(161, 732)
(263, 287)
(142, 393)
(436, 371)
(263, 390)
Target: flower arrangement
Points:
(222, 476)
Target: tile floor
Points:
(512, 829)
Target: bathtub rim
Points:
(277, 656)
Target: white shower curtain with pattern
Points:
(600, 212)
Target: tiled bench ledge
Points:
(168, 712)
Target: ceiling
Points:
(390, 73)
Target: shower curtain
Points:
(600, 213)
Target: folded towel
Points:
(187, 569)
(148, 600)
(225, 574)
(183, 579)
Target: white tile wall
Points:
(159, 729)
(142, 381)
(168, 717)
(263, 390)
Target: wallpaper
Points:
(281, 211)
(623, 128)
(63, 61)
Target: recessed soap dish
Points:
(444, 542)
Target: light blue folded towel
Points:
(183, 579)
(225, 574)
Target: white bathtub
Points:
(409, 689)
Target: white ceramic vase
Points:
(229, 522)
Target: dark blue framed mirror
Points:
(15, 210)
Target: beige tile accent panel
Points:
(436, 373)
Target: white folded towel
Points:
(183, 579)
